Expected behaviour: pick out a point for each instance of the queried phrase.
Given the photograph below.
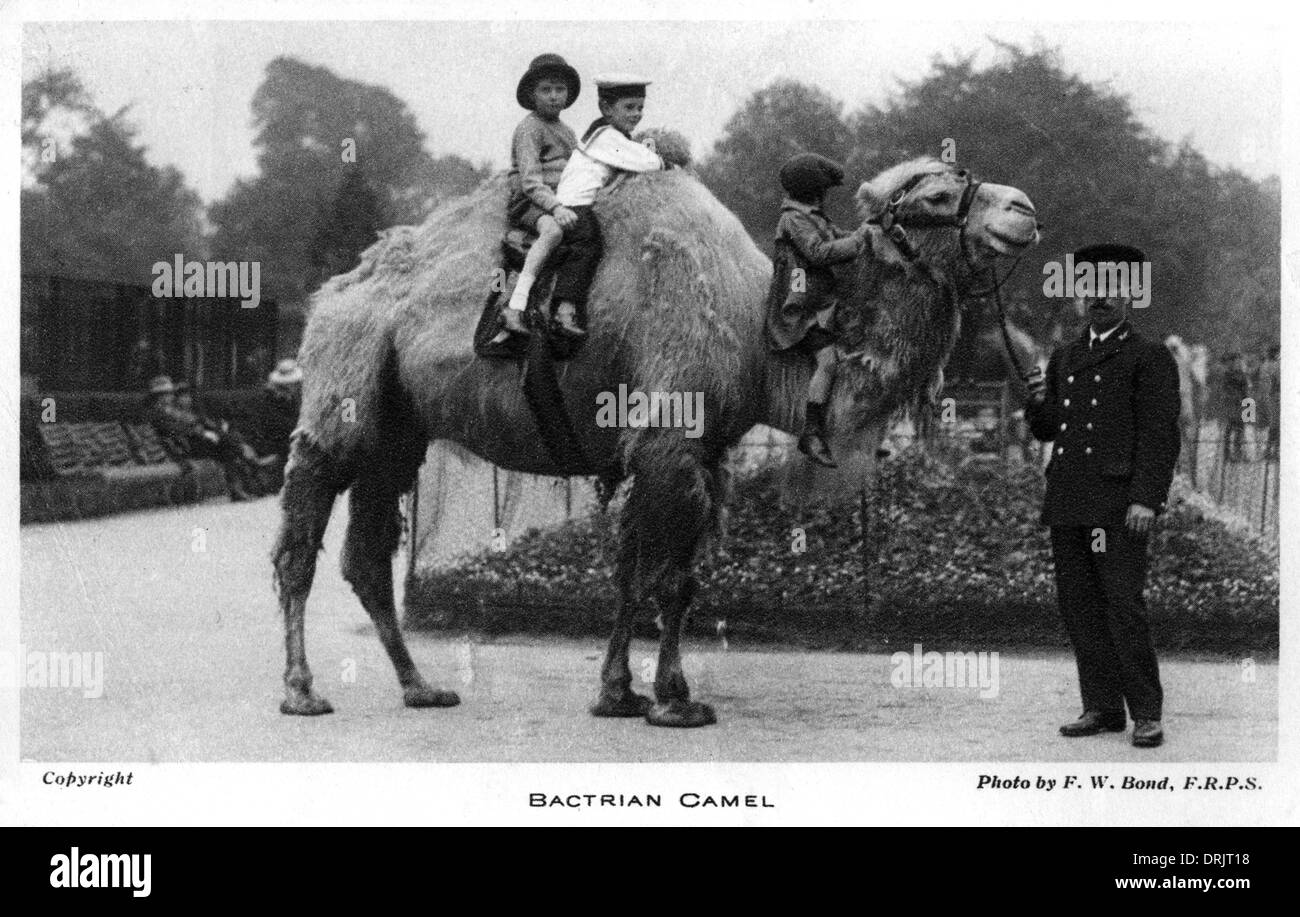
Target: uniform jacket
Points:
(538, 153)
(603, 152)
(1111, 414)
(808, 240)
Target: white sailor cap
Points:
(620, 85)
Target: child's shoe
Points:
(513, 320)
(565, 320)
(812, 442)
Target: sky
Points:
(189, 84)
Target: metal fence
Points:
(1239, 472)
(463, 505)
(1236, 470)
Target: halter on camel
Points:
(895, 228)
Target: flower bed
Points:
(953, 554)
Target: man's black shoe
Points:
(1147, 734)
(1094, 722)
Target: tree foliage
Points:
(314, 128)
(1080, 152)
(92, 205)
(777, 122)
(347, 227)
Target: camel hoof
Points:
(627, 704)
(305, 704)
(685, 714)
(425, 696)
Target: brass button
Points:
(1066, 402)
(1060, 449)
(1088, 451)
(1094, 402)
(1089, 426)
(1069, 379)
(1062, 426)
(1096, 378)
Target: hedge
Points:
(954, 554)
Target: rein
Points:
(895, 229)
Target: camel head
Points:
(937, 235)
(936, 214)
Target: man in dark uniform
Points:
(1109, 404)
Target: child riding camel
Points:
(801, 302)
(606, 150)
(540, 149)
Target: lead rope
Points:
(1002, 322)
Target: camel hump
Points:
(677, 302)
(682, 282)
(678, 269)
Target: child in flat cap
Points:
(540, 149)
(801, 301)
(606, 149)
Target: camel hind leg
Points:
(311, 482)
(374, 530)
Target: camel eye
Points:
(963, 173)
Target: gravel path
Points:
(179, 602)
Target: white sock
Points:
(519, 298)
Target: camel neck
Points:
(908, 316)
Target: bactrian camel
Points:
(677, 306)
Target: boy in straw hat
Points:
(539, 151)
(606, 149)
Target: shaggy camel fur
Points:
(677, 306)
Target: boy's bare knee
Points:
(548, 230)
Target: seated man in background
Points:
(187, 435)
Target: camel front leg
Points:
(674, 502)
(616, 695)
(673, 705)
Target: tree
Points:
(777, 122)
(93, 206)
(1096, 173)
(313, 129)
(346, 228)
